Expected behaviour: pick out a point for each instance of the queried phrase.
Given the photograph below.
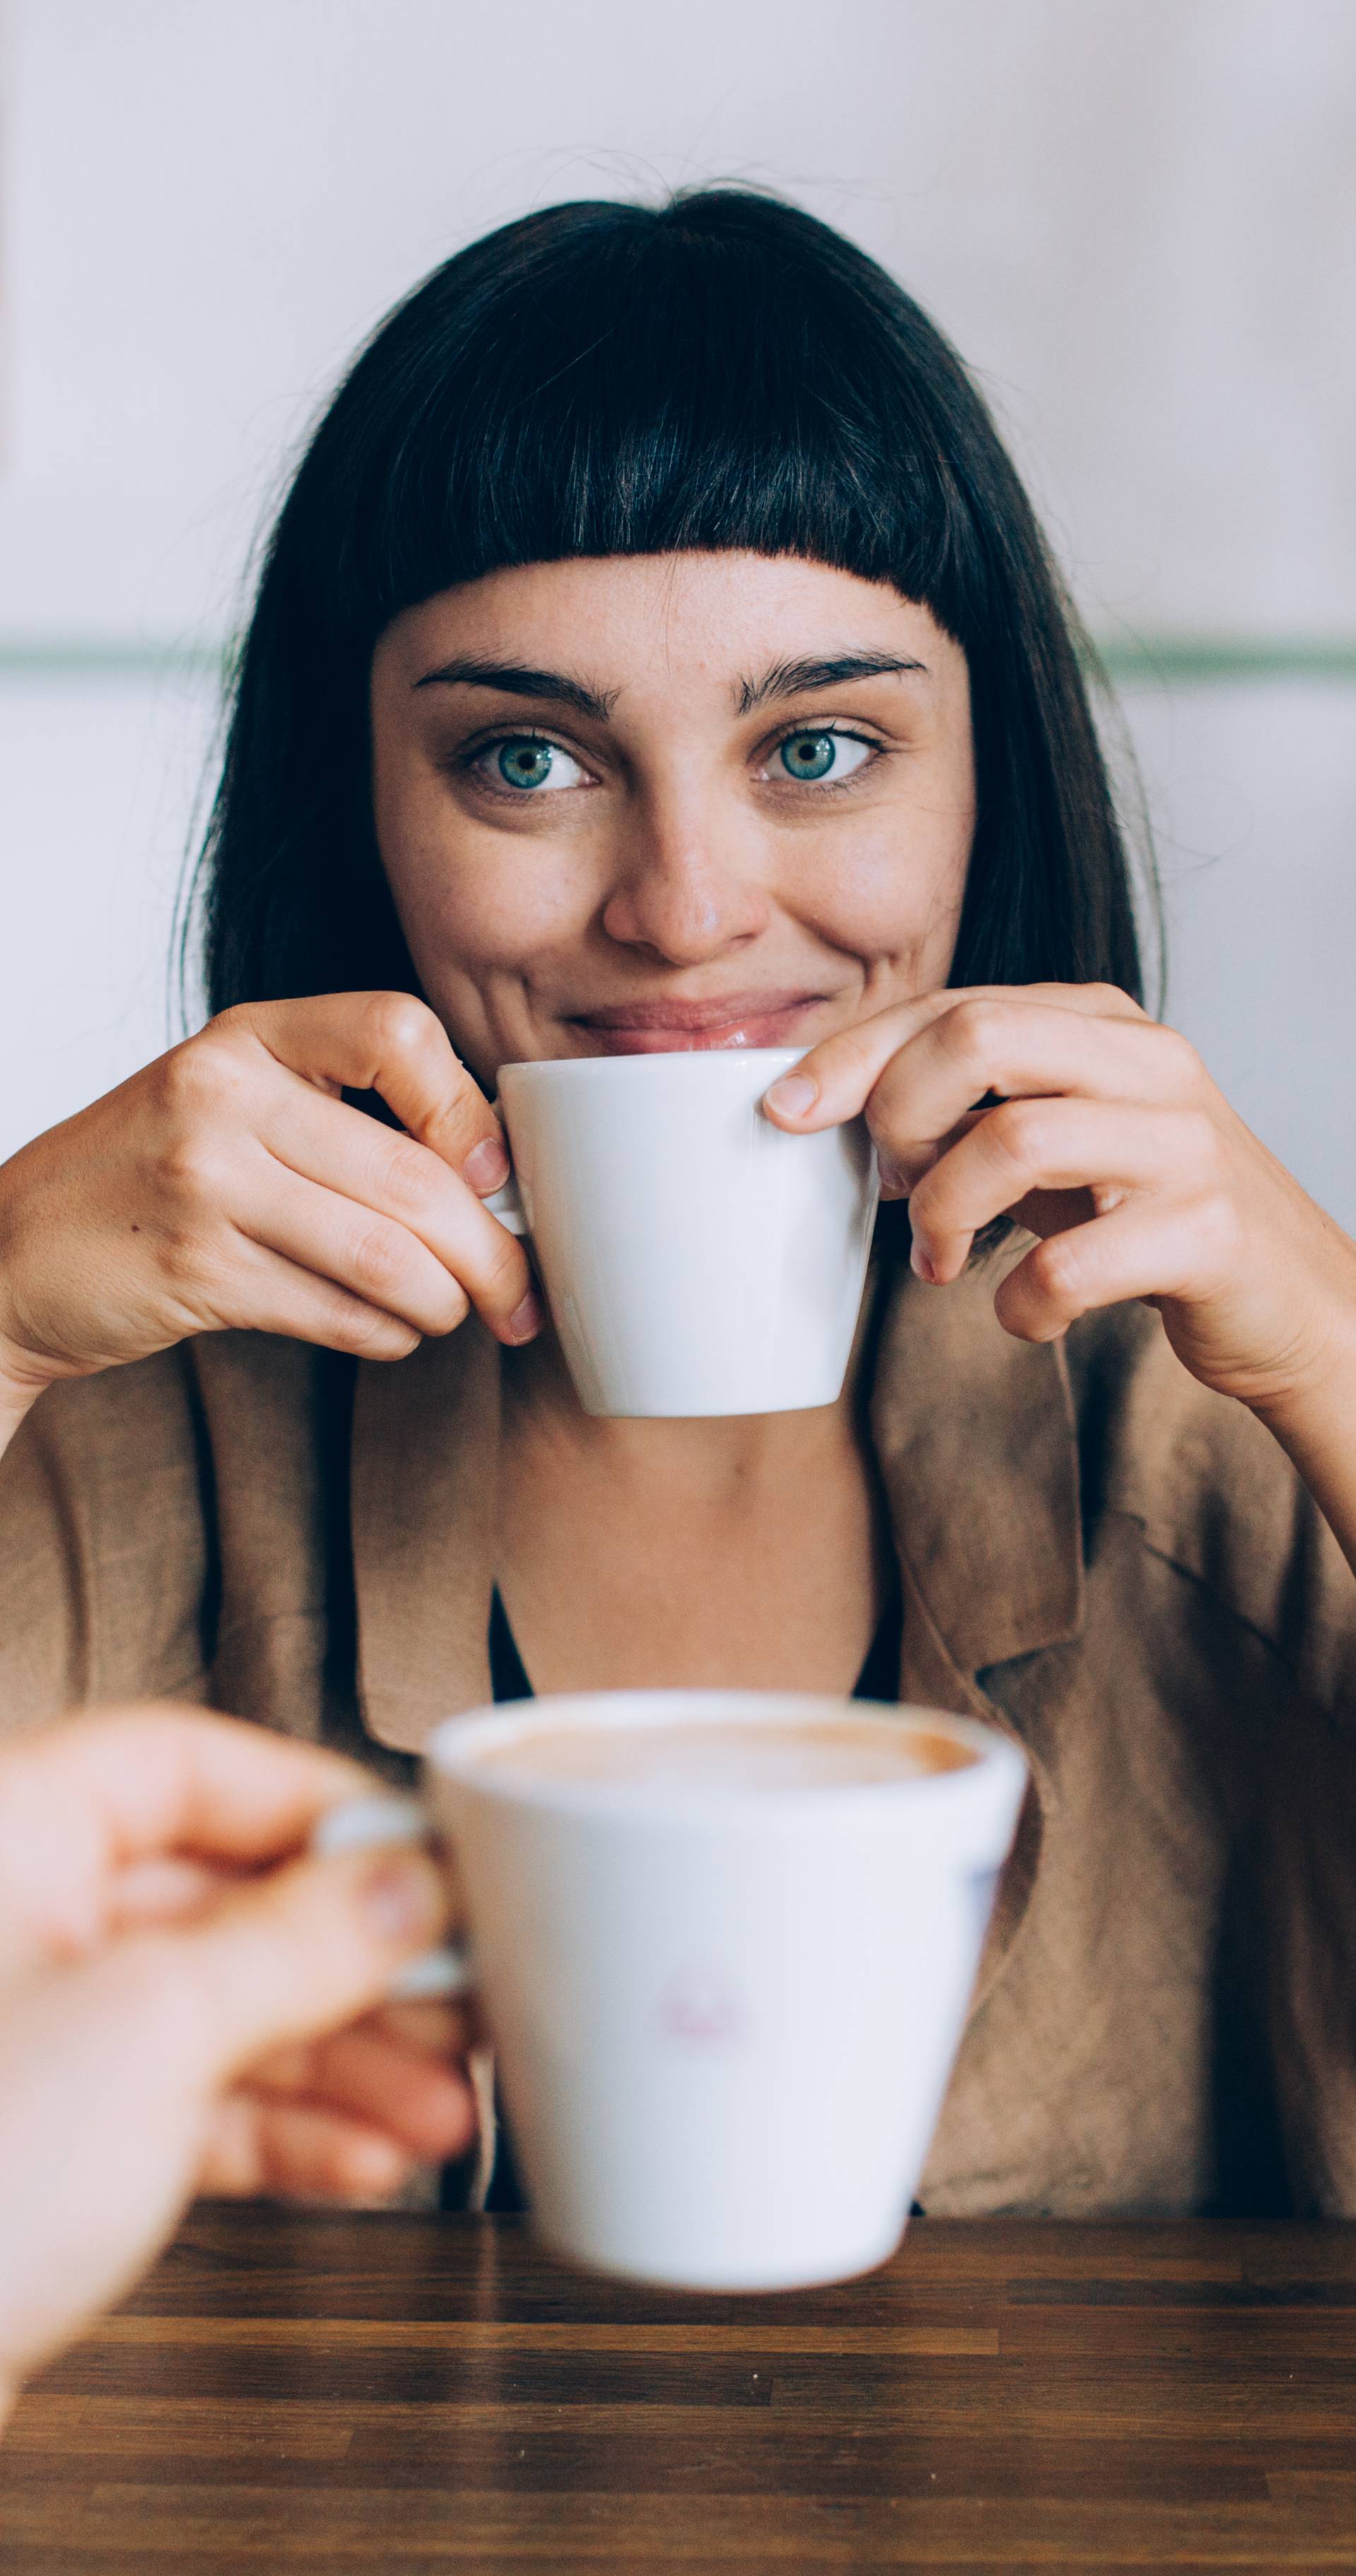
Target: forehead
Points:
(637, 622)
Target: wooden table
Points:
(391, 2393)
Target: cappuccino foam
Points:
(723, 1756)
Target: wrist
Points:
(1306, 1401)
(1311, 1417)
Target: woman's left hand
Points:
(1108, 1140)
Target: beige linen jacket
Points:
(1119, 1569)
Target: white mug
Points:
(696, 1259)
(724, 2015)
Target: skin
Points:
(186, 2002)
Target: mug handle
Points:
(506, 1204)
(365, 1824)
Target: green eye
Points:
(525, 762)
(811, 757)
(808, 755)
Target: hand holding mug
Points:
(229, 1184)
(1109, 1141)
(189, 2002)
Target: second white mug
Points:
(696, 1259)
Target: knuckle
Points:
(407, 1174)
(362, 1331)
(503, 1270)
(192, 1169)
(377, 1256)
(1113, 997)
(456, 1306)
(1056, 1269)
(1020, 1129)
(1188, 1072)
(974, 1031)
(398, 1024)
(208, 1068)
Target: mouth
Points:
(672, 1027)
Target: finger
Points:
(421, 2101)
(263, 1291)
(297, 2151)
(1135, 1251)
(330, 1237)
(160, 1891)
(836, 1079)
(1047, 1144)
(1014, 1049)
(393, 1044)
(82, 1800)
(443, 2029)
(295, 1954)
(346, 1198)
(439, 2031)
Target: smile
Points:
(665, 1026)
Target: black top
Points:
(878, 1679)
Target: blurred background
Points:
(1136, 218)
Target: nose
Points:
(680, 895)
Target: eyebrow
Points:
(521, 680)
(782, 680)
(791, 679)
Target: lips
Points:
(667, 1026)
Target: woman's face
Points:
(663, 801)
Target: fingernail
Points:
(403, 1898)
(526, 1319)
(487, 1165)
(893, 1183)
(792, 1096)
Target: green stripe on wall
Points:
(1210, 659)
(1176, 660)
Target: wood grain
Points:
(389, 2393)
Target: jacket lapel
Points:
(423, 1496)
(975, 1440)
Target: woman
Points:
(656, 649)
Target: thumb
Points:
(301, 1951)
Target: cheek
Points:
(891, 890)
(475, 902)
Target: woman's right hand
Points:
(229, 1185)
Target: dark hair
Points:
(601, 379)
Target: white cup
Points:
(724, 2015)
(696, 1259)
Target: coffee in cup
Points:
(673, 1760)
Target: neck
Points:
(704, 1459)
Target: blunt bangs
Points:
(707, 378)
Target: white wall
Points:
(1139, 222)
